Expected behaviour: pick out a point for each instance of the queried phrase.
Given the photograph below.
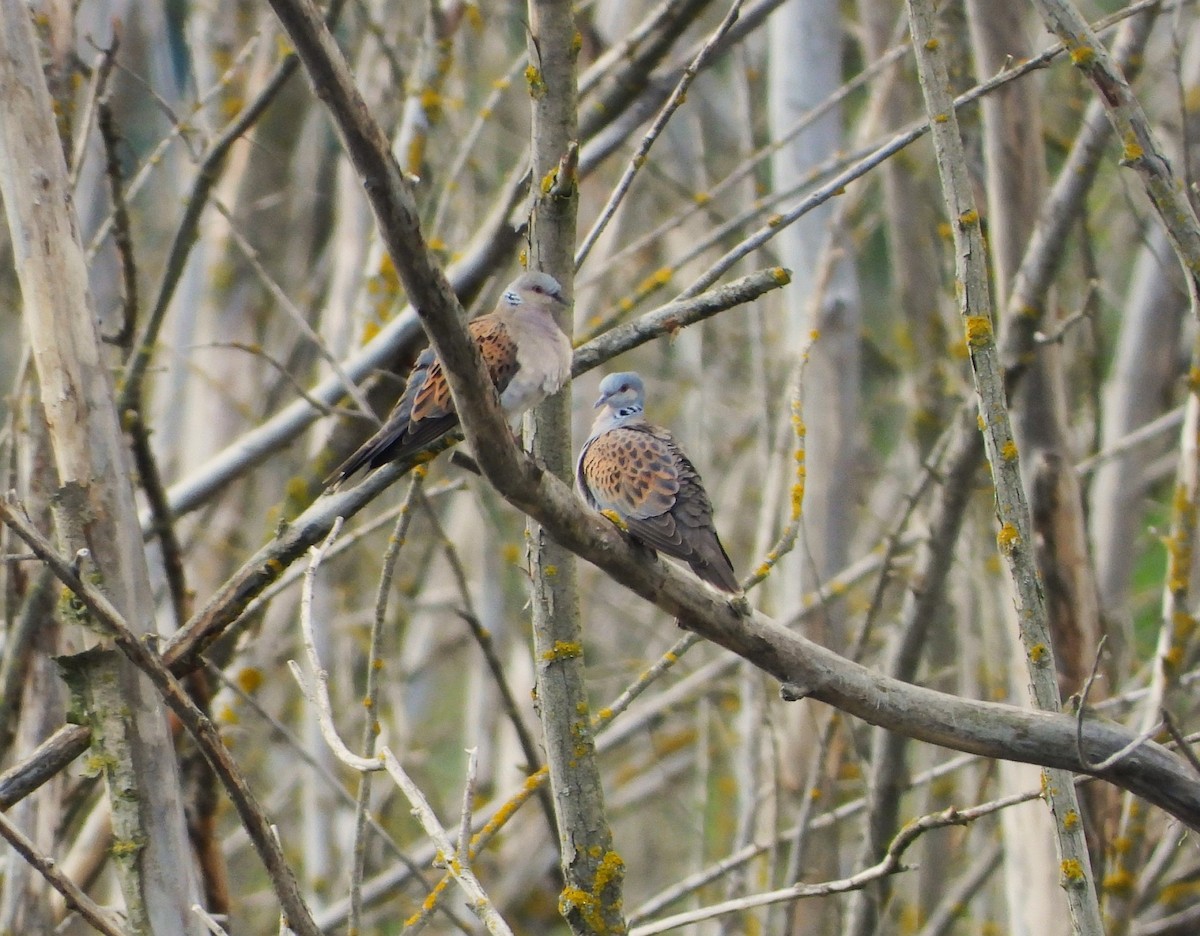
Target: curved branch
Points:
(989, 729)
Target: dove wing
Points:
(641, 474)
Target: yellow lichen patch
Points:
(1072, 870)
(797, 500)
(656, 280)
(432, 102)
(575, 900)
(1179, 893)
(1131, 149)
(414, 156)
(978, 330)
(1007, 538)
(968, 218)
(562, 650)
(227, 716)
(702, 198)
(782, 275)
(296, 488)
(1037, 653)
(535, 81)
(1083, 55)
(615, 518)
(941, 118)
(249, 678)
(1119, 882)
(1071, 819)
(932, 44)
(611, 870)
(429, 904)
(124, 847)
(548, 181)
(1008, 451)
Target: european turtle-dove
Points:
(635, 470)
(527, 356)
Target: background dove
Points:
(526, 353)
(634, 469)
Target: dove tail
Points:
(716, 568)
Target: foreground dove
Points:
(634, 469)
(527, 356)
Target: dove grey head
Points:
(622, 401)
(528, 287)
(623, 393)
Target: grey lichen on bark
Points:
(593, 872)
(1014, 537)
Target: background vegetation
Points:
(814, 324)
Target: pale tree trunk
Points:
(1146, 360)
(97, 509)
(25, 904)
(804, 69)
(914, 262)
(35, 703)
(917, 298)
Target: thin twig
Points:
(1182, 744)
(122, 236)
(371, 696)
(48, 868)
(198, 725)
(638, 159)
(317, 693)
(890, 864)
(298, 319)
(207, 919)
(468, 799)
(1083, 697)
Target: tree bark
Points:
(95, 508)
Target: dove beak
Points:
(600, 401)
